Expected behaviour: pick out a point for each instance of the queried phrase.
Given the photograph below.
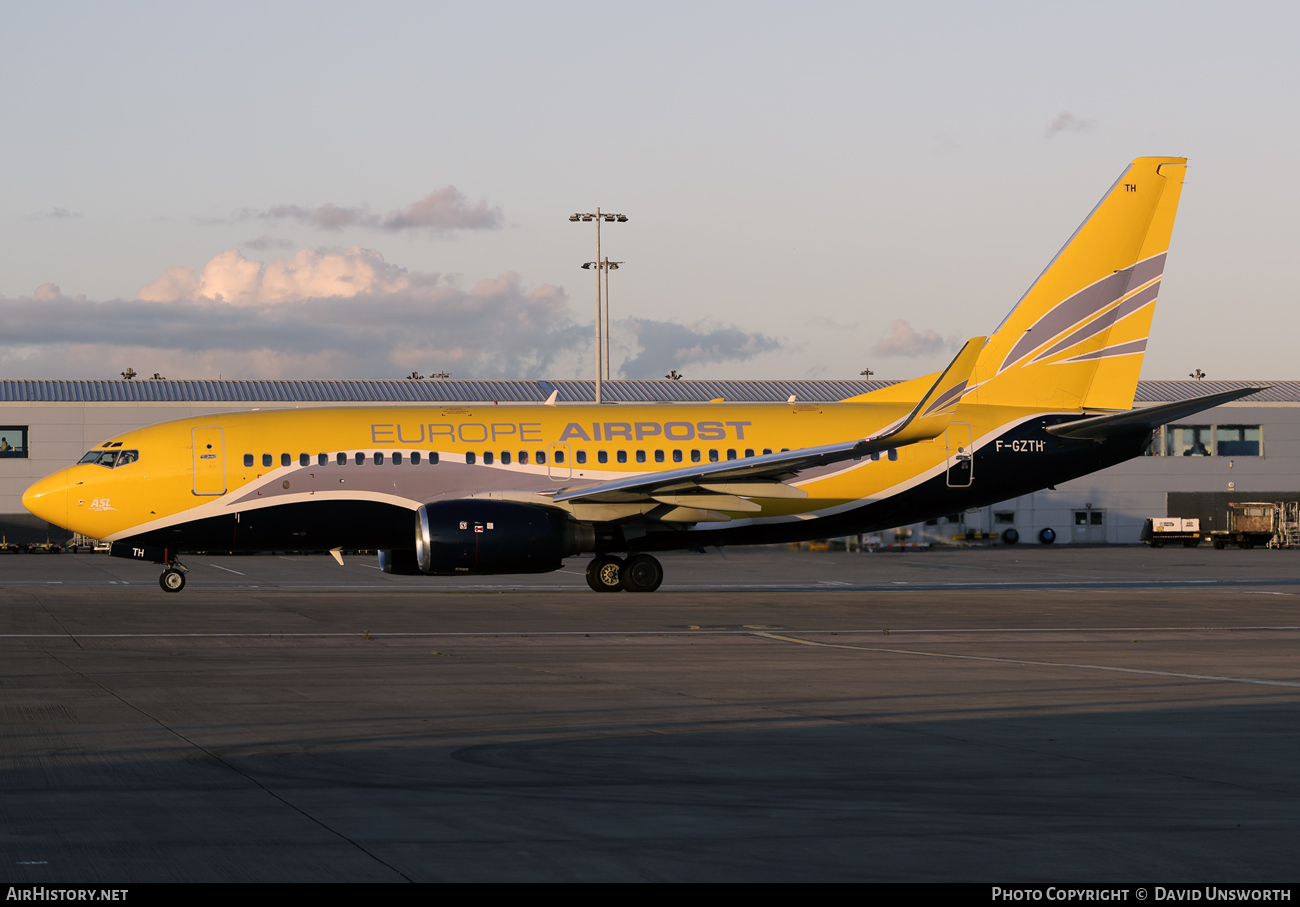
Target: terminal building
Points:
(1248, 450)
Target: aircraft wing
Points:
(723, 485)
(1146, 418)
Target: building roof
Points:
(522, 391)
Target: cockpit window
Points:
(110, 458)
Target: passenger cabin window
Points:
(621, 456)
(341, 458)
(397, 458)
(470, 458)
(523, 458)
(284, 460)
(640, 456)
(266, 460)
(360, 459)
(559, 458)
(304, 459)
(379, 458)
(713, 456)
(248, 461)
(433, 458)
(415, 458)
(602, 456)
(659, 456)
(505, 458)
(540, 458)
(766, 451)
(695, 456)
(731, 455)
(677, 456)
(581, 457)
(749, 451)
(487, 457)
(322, 459)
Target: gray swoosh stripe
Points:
(945, 397)
(1120, 349)
(1084, 304)
(1125, 308)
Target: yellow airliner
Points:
(466, 490)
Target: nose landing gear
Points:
(173, 578)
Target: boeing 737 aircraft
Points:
(470, 490)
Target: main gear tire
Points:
(604, 574)
(641, 573)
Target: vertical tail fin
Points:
(1076, 338)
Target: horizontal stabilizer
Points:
(1148, 417)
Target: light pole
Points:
(606, 266)
(602, 326)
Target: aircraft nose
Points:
(48, 498)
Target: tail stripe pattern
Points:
(1083, 305)
(1123, 310)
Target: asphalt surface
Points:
(1018, 714)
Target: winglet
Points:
(932, 415)
(550, 401)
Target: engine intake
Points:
(484, 537)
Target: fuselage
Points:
(352, 476)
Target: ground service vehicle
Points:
(1160, 531)
(1249, 524)
(448, 490)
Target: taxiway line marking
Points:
(227, 569)
(1041, 664)
(720, 631)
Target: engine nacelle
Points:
(399, 561)
(484, 536)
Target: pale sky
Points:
(812, 189)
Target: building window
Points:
(13, 442)
(1005, 517)
(1187, 441)
(1238, 440)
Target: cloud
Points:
(904, 340)
(265, 243)
(1068, 122)
(330, 313)
(667, 345)
(56, 214)
(442, 211)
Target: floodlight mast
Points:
(602, 312)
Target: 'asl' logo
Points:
(101, 504)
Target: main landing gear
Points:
(639, 573)
(173, 578)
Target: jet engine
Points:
(479, 537)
